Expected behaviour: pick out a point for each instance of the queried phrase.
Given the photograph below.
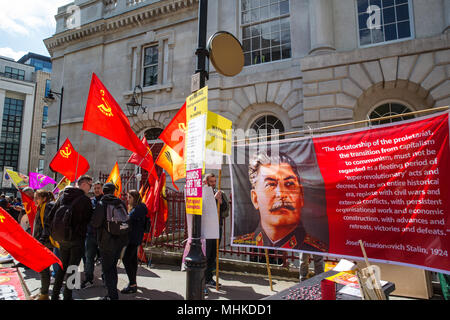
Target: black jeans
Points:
(91, 249)
(109, 259)
(211, 255)
(71, 253)
(45, 280)
(130, 260)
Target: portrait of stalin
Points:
(277, 194)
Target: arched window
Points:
(267, 125)
(390, 109)
(152, 134)
(155, 146)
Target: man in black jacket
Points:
(110, 246)
(71, 251)
(91, 246)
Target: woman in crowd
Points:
(137, 211)
(44, 203)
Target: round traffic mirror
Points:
(225, 53)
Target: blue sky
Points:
(24, 24)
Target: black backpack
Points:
(117, 219)
(61, 222)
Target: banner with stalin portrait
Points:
(387, 186)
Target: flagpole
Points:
(218, 240)
(78, 155)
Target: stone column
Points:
(446, 15)
(322, 33)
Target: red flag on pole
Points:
(30, 208)
(22, 246)
(158, 209)
(170, 161)
(145, 163)
(66, 161)
(105, 118)
(175, 132)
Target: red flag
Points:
(105, 118)
(175, 132)
(159, 209)
(30, 208)
(170, 161)
(148, 201)
(150, 195)
(22, 246)
(145, 163)
(69, 162)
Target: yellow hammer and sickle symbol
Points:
(66, 153)
(2, 218)
(105, 108)
(182, 127)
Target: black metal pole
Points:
(59, 124)
(195, 260)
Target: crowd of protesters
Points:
(90, 237)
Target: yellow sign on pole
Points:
(218, 133)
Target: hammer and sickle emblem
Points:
(66, 153)
(105, 108)
(182, 127)
(2, 217)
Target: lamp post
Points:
(50, 96)
(133, 106)
(195, 260)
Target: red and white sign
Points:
(387, 186)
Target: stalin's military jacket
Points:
(298, 239)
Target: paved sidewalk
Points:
(164, 282)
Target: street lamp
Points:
(133, 106)
(195, 260)
(50, 97)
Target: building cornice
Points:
(112, 24)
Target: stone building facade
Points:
(17, 95)
(309, 63)
(39, 132)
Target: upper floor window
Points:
(382, 21)
(266, 30)
(41, 166)
(43, 142)
(150, 66)
(44, 116)
(14, 73)
(48, 87)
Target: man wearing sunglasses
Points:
(71, 250)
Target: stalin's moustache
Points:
(282, 205)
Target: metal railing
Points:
(175, 234)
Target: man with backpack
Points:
(68, 224)
(110, 218)
(91, 246)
